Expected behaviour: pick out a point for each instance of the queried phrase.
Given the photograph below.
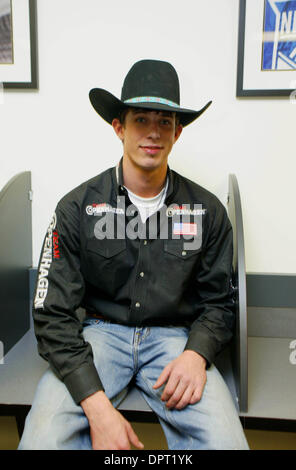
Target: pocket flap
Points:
(181, 248)
(106, 247)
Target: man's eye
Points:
(165, 122)
(140, 119)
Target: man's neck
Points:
(143, 183)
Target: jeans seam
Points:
(135, 350)
(229, 422)
(167, 412)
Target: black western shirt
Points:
(97, 254)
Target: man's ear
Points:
(178, 131)
(118, 128)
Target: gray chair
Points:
(15, 311)
(15, 259)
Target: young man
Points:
(158, 306)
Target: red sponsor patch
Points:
(55, 243)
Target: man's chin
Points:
(148, 162)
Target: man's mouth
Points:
(151, 149)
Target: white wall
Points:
(55, 133)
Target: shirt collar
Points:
(119, 184)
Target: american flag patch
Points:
(185, 229)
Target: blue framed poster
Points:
(279, 44)
(267, 48)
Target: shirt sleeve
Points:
(58, 294)
(213, 328)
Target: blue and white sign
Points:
(279, 37)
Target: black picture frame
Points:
(260, 91)
(32, 82)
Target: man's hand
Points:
(109, 430)
(186, 377)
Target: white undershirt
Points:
(148, 205)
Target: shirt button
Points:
(145, 242)
(138, 304)
(142, 274)
(184, 253)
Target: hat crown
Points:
(151, 78)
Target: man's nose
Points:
(154, 130)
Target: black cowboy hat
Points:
(150, 84)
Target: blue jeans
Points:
(121, 353)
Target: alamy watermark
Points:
(169, 222)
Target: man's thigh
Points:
(211, 423)
(55, 421)
(112, 346)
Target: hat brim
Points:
(109, 107)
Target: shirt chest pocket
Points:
(182, 249)
(181, 257)
(107, 263)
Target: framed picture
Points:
(18, 44)
(267, 48)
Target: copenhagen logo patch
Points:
(184, 210)
(98, 209)
(45, 263)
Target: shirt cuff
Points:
(83, 382)
(200, 342)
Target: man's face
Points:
(148, 137)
